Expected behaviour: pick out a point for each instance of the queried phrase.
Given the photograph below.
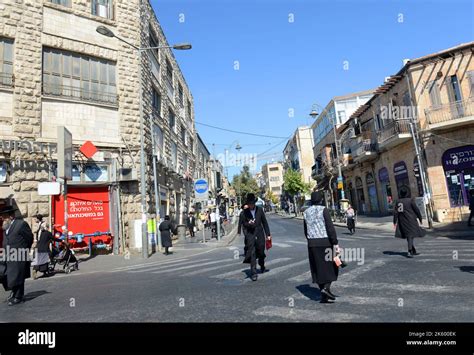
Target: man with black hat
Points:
(18, 240)
(255, 227)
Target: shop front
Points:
(458, 165)
(400, 172)
(361, 206)
(372, 190)
(387, 197)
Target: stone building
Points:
(437, 91)
(272, 174)
(298, 152)
(57, 70)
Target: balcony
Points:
(450, 115)
(365, 150)
(393, 134)
(70, 92)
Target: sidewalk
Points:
(197, 241)
(385, 223)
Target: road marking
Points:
(377, 286)
(359, 270)
(201, 271)
(160, 266)
(239, 272)
(307, 314)
(233, 248)
(300, 278)
(296, 242)
(187, 267)
(124, 268)
(279, 269)
(281, 245)
(450, 258)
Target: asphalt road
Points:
(203, 284)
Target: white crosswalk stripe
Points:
(280, 269)
(212, 268)
(306, 314)
(189, 266)
(240, 270)
(281, 245)
(296, 242)
(162, 266)
(137, 266)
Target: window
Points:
(183, 135)
(185, 162)
(174, 154)
(454, 90)
(3, 172)
(79, 77)
(470, 75)
(191, 144)
(102, 8)
(156, 101)
(433, 90)
(6, 62)
(276, 189)
(274, 178)
(341, 116)
(62, 2)
(159, 140)
(154, 54)
(169, 80)
(172, 120)
(274, 169)
(190, 108)
(181, 95)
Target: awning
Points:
(6, 192)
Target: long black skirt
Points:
(322, 270)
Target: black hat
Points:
(316, 197)
(8, 210)
(250, 199)
(39, 217)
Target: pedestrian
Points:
(166, 228)
(471, 206)
(405, 215)
(213, 223)
(191, 222)
(18, 240)
(322, 242)
(239, 226)
(256, 231)
(350, 216)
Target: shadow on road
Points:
(466, 269)
(309, 292)
(32, 295)
(399, 253)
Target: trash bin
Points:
(181, 231)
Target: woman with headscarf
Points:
(166, 228)
(42, 250)
(322, 245)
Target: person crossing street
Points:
(256, 232)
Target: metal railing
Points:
(451, 111)
(393, 129)
(79, 94)
(6, 79)
(365, 146)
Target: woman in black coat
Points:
(322, 242)
(42, 250)
(166, 229)
(405, 215)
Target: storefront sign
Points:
(400, 170)
(459, 158)
(163, 193)
(383, 175)
(29, 146)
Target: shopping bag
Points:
(268, 243)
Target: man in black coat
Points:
(191, 222)
(256, 230)
(16, 244)
(405, 215)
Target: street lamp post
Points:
(184, 46)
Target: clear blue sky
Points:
(289, 65)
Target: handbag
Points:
(268, 243)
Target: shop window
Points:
(6, 62)
(3, 172)
(95, 173)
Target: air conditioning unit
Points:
(127, 174)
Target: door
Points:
(455, 97)
(373, 198)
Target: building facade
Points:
(437, 91)
(272, 174)
(298, 152)
(57, 70)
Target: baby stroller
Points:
(63, 256)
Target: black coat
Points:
(405, 215)
(166, 228)
(258, 231)
(191, 222)
(20, 239)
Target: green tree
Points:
(270, 196)
(244, 183)
(294, 184)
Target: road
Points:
(205, 284)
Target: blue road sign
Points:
(201, 186)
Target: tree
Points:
(294, 184)
(244, 183)
(269, 196)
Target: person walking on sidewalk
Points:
(350, 216)
(405, 215)
(471, 207)
(322, 241)
(256, 232)
(166, 228)
(191, 222)
(18, 238)
(42, 250)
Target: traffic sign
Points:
(201, 189)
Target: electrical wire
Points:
(238, 132)
(450, 139)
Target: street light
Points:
(338, 142)
(184, 46)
